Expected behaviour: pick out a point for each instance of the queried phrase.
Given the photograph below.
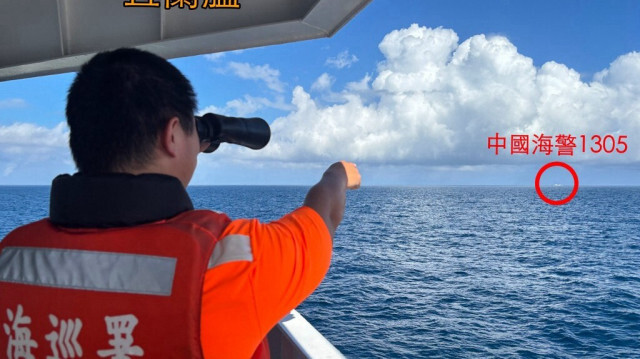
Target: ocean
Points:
(456, 272)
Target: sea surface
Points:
(457, 272)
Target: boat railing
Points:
(295, 338)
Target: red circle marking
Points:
(575, 183)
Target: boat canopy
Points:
(42, 37)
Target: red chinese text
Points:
(562, 144)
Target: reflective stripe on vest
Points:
(88, 270)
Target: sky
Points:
(411, 93)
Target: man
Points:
(127, 266)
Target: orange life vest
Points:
(110, 293)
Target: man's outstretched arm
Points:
(327, 197)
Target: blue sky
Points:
(411, 104)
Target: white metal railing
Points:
(295, 338)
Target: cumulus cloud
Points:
(342, 60)
(323, 82)
(26, 143)
(248, 105)
(264, 73)
(435, 101)
(12, 103)
(29, 135)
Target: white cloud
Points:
(25, 145)
(214, 57)
(12, 103)
(360, 86)
(435, 101)
(270, 76)
(30, 135)
(342, 60)
(9, 169)
(248, 105)
(323, 82)
(212, 109)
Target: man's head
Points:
(119, 108)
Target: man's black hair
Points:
(119, 103)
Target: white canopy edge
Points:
(43, 37)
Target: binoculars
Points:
(248, 132)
